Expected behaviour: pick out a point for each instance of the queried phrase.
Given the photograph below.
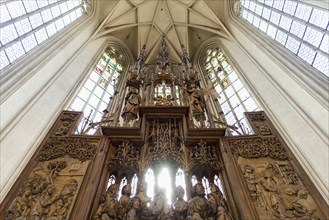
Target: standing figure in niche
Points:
(198, 207)
(197, 104)
(217, 204)
(180, 205)
(124, 203)
(130, 111)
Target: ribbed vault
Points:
(184, 22)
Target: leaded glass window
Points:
(301, 28)
(234, 97)
(95, 94)
(24, 24)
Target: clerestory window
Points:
(234, 98)
(25, 24)
(301, 28)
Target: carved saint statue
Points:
(217, 204)
(180, 205)
(197, 104)
(135, 211)
(198, 207)
(130, 111)
(124, 203)
(107, 209)
(143, 199)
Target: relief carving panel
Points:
(66, 123)
(275, 189)
(52, 186)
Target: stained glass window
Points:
(94, 96)
(301, 28)
(24, 24)
(234, 98)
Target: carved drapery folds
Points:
(204, 155)
(51, 188)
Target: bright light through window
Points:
(164, 182)
(234, 97)
(149, 179)
(301, 28)
(97, 91)
(24, 24)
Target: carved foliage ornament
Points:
(258, 147)
(204, 155)
(126, 155)
(78, 148)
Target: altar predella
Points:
(162, 116)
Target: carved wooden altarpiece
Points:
(67, 177)
(162, 117)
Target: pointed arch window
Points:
(303, 29)
(134, 183)
(26, 24)
(206, 186)
(122, 184)
(234, 97)
(111, 181)
(150, 180)
(98, 89)
(180, 181)
(194, 180)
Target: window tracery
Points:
(27, 24)
(98, 90)
(234, 98)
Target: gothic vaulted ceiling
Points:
(183, 22)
